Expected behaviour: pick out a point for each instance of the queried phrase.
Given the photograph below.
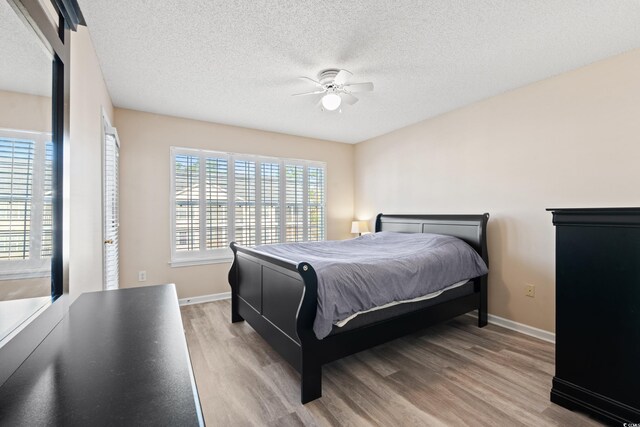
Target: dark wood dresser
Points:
(598, 312)
(117, 358)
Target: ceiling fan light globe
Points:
(331, 101)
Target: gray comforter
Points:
(376, 269)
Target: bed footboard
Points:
(279, 300)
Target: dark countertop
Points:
(117, 358)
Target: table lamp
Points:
(359, 227)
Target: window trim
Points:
(223, 255)
(35, 266)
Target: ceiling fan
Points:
(333, 88)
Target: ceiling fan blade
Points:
(317, 83)
(342, 77)
(308, 93)
(359, 87)
(348, 98)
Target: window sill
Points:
(205, 261)
(25, 274)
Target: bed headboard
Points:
(470, 228)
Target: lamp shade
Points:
(359, 227)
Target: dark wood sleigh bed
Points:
(278, 299)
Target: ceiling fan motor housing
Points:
(327, 76)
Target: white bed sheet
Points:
(343, 322)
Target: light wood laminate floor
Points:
(453, 374)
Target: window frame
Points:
(224, 255)
(35, 266)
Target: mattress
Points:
(376, 316)
(343, 323)
(374, 270)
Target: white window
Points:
(26, 161)
(217, 198)
(111, 206)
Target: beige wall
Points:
(145, 186)
(89, 96)
(21, 111)
(569, 141)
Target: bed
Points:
(279, 299)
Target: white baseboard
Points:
(519, 327)
(205, 298)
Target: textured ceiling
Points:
(236, 61)
(25, 65)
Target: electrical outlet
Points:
(530, 291)
(142, 276)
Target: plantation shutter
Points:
(220, 197)
(315, 203)
(111, 211)
(270, 203)
(245, 202)
(294, 193)
(46, 249)
(217, 202)
(26, 160)
(187, 203)
(16, 190)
